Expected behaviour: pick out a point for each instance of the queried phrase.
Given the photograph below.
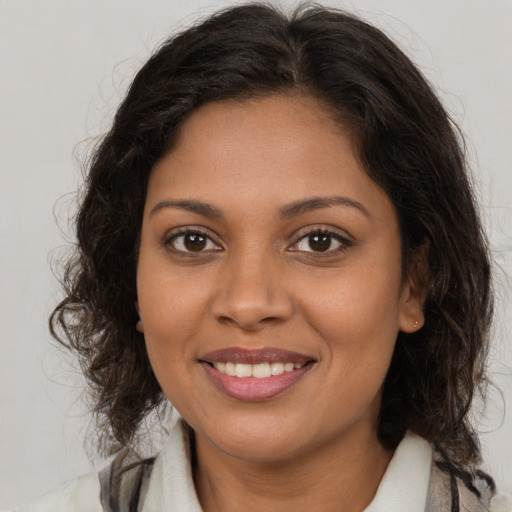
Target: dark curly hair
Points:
(407, 144)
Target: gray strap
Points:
(440, 496)
(124, 484)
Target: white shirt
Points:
(171, 488)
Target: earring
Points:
(417, 324)
(139, 327)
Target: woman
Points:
(278, 237)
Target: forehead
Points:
(274, 149)
(264, 122)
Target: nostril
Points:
(270, 320)
(250, 305)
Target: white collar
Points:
(404, 486)
(171, 485)
(402, 489)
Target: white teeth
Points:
(230, 369)
(243, 370)
(276, 368)
(259, 371)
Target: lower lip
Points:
(252, 389)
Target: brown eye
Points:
(322, 242)
(192, 242)
(319, 242)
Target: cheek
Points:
(357, 315)
(170, 300)
(169, 306)
(170, 322)
(355, 303)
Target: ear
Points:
(414, 291)
(138, 326)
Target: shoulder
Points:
(115, 487)
(128, 479)
(501, 502)
(79, 495)
(472, 492)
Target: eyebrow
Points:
(314, 203)
(285, 213)
(189, 205)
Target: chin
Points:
(261, 449)
(275, 439)
(255, 439)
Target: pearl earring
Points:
(139, 327)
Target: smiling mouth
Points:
(257, 374)
(258, 371)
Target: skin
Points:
(259, 283)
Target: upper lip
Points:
(254, 356)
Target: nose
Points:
(252, 293)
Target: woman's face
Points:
(269, 279)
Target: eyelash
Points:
(183, 233)
(344, 242)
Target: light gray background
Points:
(64, 66)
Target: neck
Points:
(341, 476)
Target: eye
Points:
(191, 241)
(322, 241)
